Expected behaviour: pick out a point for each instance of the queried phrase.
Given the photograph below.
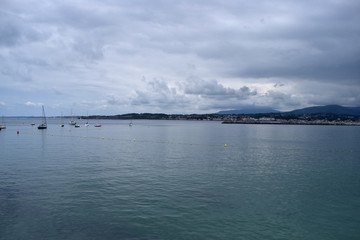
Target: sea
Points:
(169, 180)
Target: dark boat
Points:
(44, 124)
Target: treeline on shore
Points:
(220, 117)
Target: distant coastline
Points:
(266, 118)
(295, 122)
(320, 115)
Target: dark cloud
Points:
(14, 30)
(281, 54)
(159, 95)
(213, 89)
(281, 100)
(195, 92)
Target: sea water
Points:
(178, 180)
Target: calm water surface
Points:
(178, 180)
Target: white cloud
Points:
(32, 104)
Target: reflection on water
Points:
(43, 133)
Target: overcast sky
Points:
(186, 56)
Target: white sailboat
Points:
(44, 124)
(72, 122)
(87, 121)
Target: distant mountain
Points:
(329, 109)
(250, 110)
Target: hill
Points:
(329, 109)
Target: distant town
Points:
(301, 120)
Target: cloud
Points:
(32, 104)
(113, 99)
(215, 90)
(284, 54)
(192, 94)
(281, 100)
(14, 30)
(159, 95)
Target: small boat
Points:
(2, 125)
(87, 122)
(62, 124)
(77, 125)
(130, 124)
(72, 122)
(44, 124)
(32, 124)
(97, 125)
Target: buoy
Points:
(225, 145)
(17, 132)
(102, 138)
(134, 139)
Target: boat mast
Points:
(43, 113)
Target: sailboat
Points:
(62, 124)
(44, 124)
(87, 122)
(72, 122)
(2, 125)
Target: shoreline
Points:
(294, 123)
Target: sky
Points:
(111, 57)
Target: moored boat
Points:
(62, 124)
(72, 122)
(2, 124)
(44, 124)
